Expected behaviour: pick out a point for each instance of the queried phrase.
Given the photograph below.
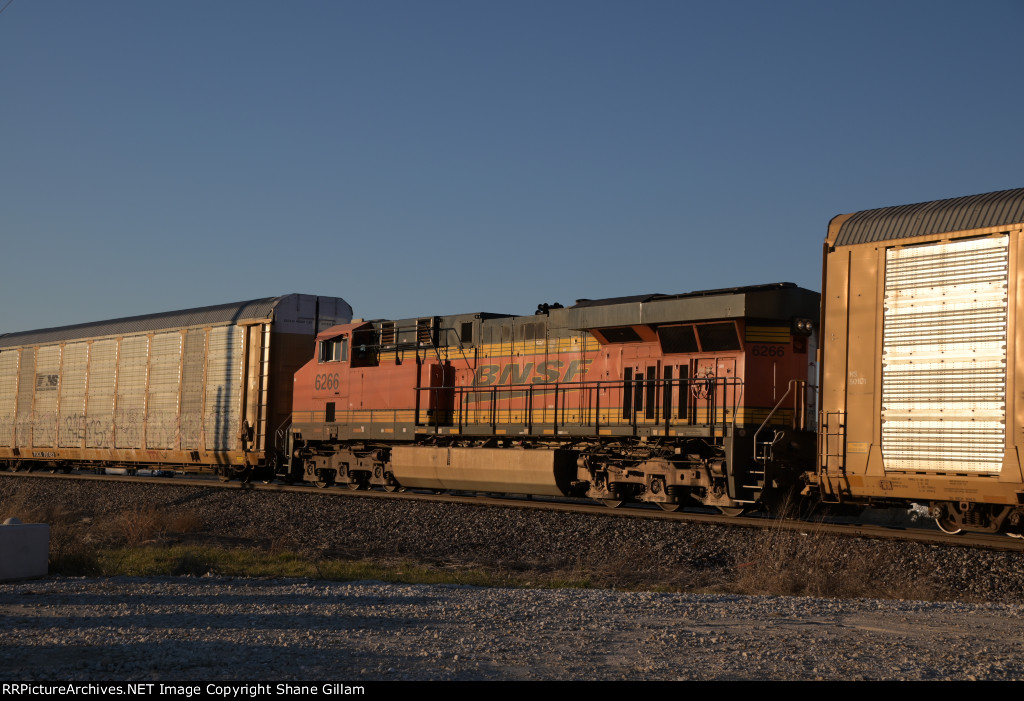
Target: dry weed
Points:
(147, 524)
(808, 562)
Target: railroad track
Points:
(864, 527)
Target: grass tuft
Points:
(807, 562)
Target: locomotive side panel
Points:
(352, 390)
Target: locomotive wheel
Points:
(612, 503)
(355, 486)
(323, 478)
(666, 506)
(733, 511)
(393, 488)
(947, 525)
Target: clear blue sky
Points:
(436, 157)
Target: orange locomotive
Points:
(672, 399)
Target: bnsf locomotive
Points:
(899, 387)
(659, 398)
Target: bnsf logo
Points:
(547, 372)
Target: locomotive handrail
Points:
(487, 399)
(789, 389)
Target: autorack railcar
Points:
(205, 388)
(923, 379)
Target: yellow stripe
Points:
(768, 334)
(576, 344)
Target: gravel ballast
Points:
(220, 629)
(199, 627)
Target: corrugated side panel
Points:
(944, 356)
(260, 442)
(44, 419)
(131, 392)
(8, 395)
(99, 415)
(71, 422)
(192, 372)
(223, 386)
(26, 389)
(162, 404)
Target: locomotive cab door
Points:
(713, 390)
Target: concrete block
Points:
(24, 549)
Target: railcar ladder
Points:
(831, 453)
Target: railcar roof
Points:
(200, 316)
(937, 217)
(748, 289)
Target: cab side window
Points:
(334, 350)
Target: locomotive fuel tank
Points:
(522, 471)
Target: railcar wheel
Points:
(323, 483)
(612, 503)
(393, 488)
(224, 474)
(665, 506)
(733, 511)
(948, 525)
(355, 486)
